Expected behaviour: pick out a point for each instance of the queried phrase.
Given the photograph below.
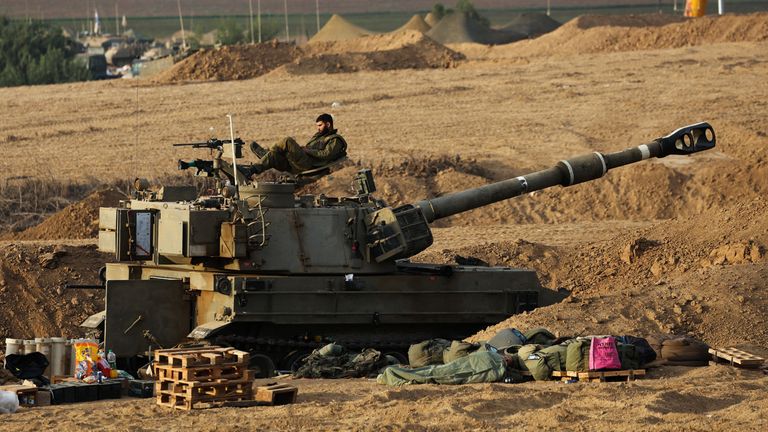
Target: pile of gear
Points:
(512, 356)
(335, 361)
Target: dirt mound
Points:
(404, 50)
(232, 62)
(595, 34)
(669, 278)
(416, 23)
(431, 19)
(425, 177)
(459, 28)
(530, 24)
(338, 28)
(79, 220)
(33, 301)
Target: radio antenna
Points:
(137, 113)
(234, 153)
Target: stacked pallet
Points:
(188, 378)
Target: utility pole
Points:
(287, 32)
(181, 21)
(549, 8)
(720, 7)
(258, 17)
(317, 14)
(250, 21)
(117, 21)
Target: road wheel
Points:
(262, 366)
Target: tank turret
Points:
(256, 266)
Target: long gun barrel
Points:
(212, 143)
(684, 141)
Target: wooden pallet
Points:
(189, 377)
(206, 356)
(276, 394)
(201, 373)
(600, 376)
(181, 401)
(736, 357)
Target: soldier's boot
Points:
(258, 150)
(251, 171)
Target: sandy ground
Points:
(672, 398)
(502, 116)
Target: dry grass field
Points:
(426, 132)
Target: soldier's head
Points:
(324, 123)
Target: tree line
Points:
(32, 52)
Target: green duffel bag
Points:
(527, 350)
(577, 355)
(427, 353)
(459, 349)
(556, 356)
(539, 336)
(541, 364)
(629, 357)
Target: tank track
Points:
(285, 353)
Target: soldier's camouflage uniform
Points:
(287, 155)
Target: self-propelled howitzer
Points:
(258, 267)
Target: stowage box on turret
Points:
(258, 267)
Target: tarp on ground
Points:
(459, 28)
(415, 23)
(337, 28)
(530, 24)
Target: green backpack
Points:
(577, 355)
(629, 357)
(540, 362)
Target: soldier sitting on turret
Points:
(325, 147)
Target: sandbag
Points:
(603, 354)
(655, 341)
(459, 349)
(685, 350)
(427, 353)
(577, 355)
(539, 336)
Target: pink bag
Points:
(603, 354)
